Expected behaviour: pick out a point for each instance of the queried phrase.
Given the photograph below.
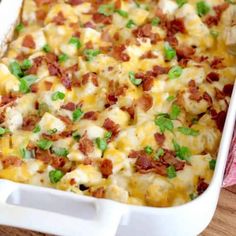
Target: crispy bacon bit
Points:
(163, 17)
(7, 99)
(212, 76)
(159, 70)
(219, 118)
(211, 20)
(70, 106)
(99, 192)
(130, 110)
(219, 94)
(28, 42)
(34, 88)
(41, 15)
(75, 2)
(175, 26)
(145, 102)
(48, 85)
(228, 89)
(87, 161)
(58, 162)
(111, 126)
(51, 57)
(91, 115)
(185, 52)
(136, 154)
(119, 54)
(66, 81)
(59, 19)
(207, 98)
(143, 162)
(89, 25)
(100, 18)
(11, 161)
(217, 63)
(202, 186)
(172, 40)
(148, 83)
(148, 55)
(86, 145)
(194, 92)
(90, 76)
(29, 122)
(160, 138)
(106, 167)
(170, 159)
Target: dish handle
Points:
(56, 212)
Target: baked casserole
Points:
(123, 99)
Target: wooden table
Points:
(223, 223)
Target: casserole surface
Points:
(118, 100)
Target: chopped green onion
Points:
(77, 114)
(106, 9)
(101, 144)
(214, 33)
(171, 172)
(164, 123)
(91, 53)
(169, 52)
(182, 152)
(55, 176)
(212, 164)
(155, 21)
(160, 152)
(148, 149)
(202, 8)
(26, 64)
(170, 98)
(20, 27)
(76, 135)
(43, 108)
(122, 13)
(181, 2)
(108, 135)
(192, 196)
(75, 41)
(2, 131)
(26, 82)
(175, 72)
(137, 3)
(133, 79)
(44, 144)
(175, 111)
(62, 152)
(63, 57)
(130, 24)
(46, 48)
(36, 129)
(26, 154)
(16, 69)
(58, 96)
(52, 131)
(188, 131)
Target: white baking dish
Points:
(63, 213)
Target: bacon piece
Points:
(220, 120)
(11, 161)
(89, 25)
(136, 154)
(145, 102)
(51, 57)
(106, 167)
(70, 106)
(143, 162)
(194, 92)
(163, 17)
(172, 40)
(175, 26)
(148, 55)
(86, 145)
(148, 83)
(100, 18)
(185, 52)
(48, 85)
(29, 122)
(160, 138)
(99, 192)
(41, 15)
(228, 89)
(130, 110)
(207, 98)
(170, 159)
(66, 81)
(202, 186)
(211, 20)
(43, 155)
(111, 126)
(217, 63)
(37, 62)
(7, 99)
(65, 119)
(212, 76)
(91, 115)
(28, 42)
(75, 2)
(159, 70)
(219, 94)
(59, 19)
(58, 162)
(119, 54)
(90, 76)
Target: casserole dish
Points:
(41, 208)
